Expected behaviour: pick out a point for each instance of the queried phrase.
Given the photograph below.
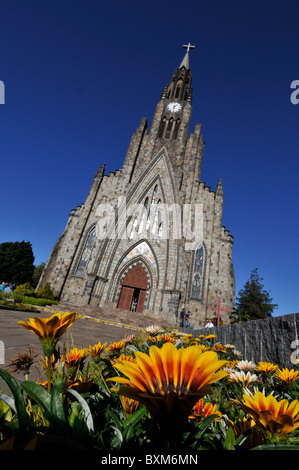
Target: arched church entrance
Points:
(133, 291)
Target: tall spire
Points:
(185, 61)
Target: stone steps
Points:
(115, 315)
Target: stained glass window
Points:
(86, 252)
(197, 274)
(143, 217)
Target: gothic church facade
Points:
(119, 248)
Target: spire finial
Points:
(188, 46)
(185, 61)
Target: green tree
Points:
(38, 270)
(253, 302)
(16, 263)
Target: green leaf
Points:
(230, 440)
(117, 440)
(37, 393)
(135, 418)
(85, 407)
(205, 423)
(115, 419)
(56, 405)
(9, 401)
(20, 406)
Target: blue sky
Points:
(79, 75)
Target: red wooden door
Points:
(136, 277)
(134, 280)
(141, 300)
(125, 298)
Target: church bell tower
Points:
(146, 255)
(173, 112)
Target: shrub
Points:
(24, 289)
(37, 301)
(45, 292)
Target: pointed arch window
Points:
(197, 274)
(151, 207)
(85, 257)
(143, 217)
(176, 128)
(134, 227)
(148, 221)
(156, 218)
(178, 88)
(162, 127)
(168, 129)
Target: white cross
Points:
(188, 47)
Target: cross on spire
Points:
(188, 46)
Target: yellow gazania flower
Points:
(266, 367)
(116, 346)
(232, 364)
(96, 351)
(274, 418)
(74, 358)
(49, 330)
(129, 405)
(80, 385)
(165, 338)
(287, 376)
(219, 348)
(170, 380)
(122, 358)
(203, 347)
(201, 410)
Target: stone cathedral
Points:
(120, 249)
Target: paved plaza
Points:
(84, 332)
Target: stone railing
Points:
(272, 339)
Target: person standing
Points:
(134, 305)
(182, 318)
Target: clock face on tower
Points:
(175, 107)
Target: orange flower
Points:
(287, 376)
(201, 410)
(129, 405)
(116, 346)
(49, 330)
(80, 385)
(170, 380)
(75, 358)
(274, 418)
(96, 351)
(122, 358)
(266, 367)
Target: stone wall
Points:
(271, 340)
